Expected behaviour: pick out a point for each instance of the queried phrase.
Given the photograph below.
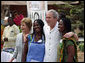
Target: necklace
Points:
(25, 37)
(37, 38)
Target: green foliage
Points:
(81, 15)
(81, 47)
(20, 29)
(75, 13)
(80, 34)
(73, 26)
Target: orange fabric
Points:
(1, 34)
(2, 28)
(1, 39)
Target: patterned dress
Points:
(63, 56)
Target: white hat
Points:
(5, 18)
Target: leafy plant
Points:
(81, 47)
(75, 13)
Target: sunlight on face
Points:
(36, 27)
(61, 26)
(24, 27)
(50, 19)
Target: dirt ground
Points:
(80, 56)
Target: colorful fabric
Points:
(63, 50)
(10, 50)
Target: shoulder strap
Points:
(29, 39)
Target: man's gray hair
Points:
(55, 13)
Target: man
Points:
(17, 18)
(52, 36)
(9, 34)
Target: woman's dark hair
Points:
(62, 15)
(67, 24)
(41, 23)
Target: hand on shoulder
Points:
(70, 34)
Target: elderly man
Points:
(53, 36)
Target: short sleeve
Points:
(69, 42)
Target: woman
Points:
(68, 50)
(36, 43)
(21, 46)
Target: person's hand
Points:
(70, 34)
(5, 39)
(76, 37)
(11, 60)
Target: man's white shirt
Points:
(10, 32)
(52, 41)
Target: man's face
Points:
(10, 22)
(50, 19)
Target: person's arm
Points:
(25, 51)
(11, 60)
(4, 33)
(14, 54)
(71, 53)
(70, 34)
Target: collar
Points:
(55, 27)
